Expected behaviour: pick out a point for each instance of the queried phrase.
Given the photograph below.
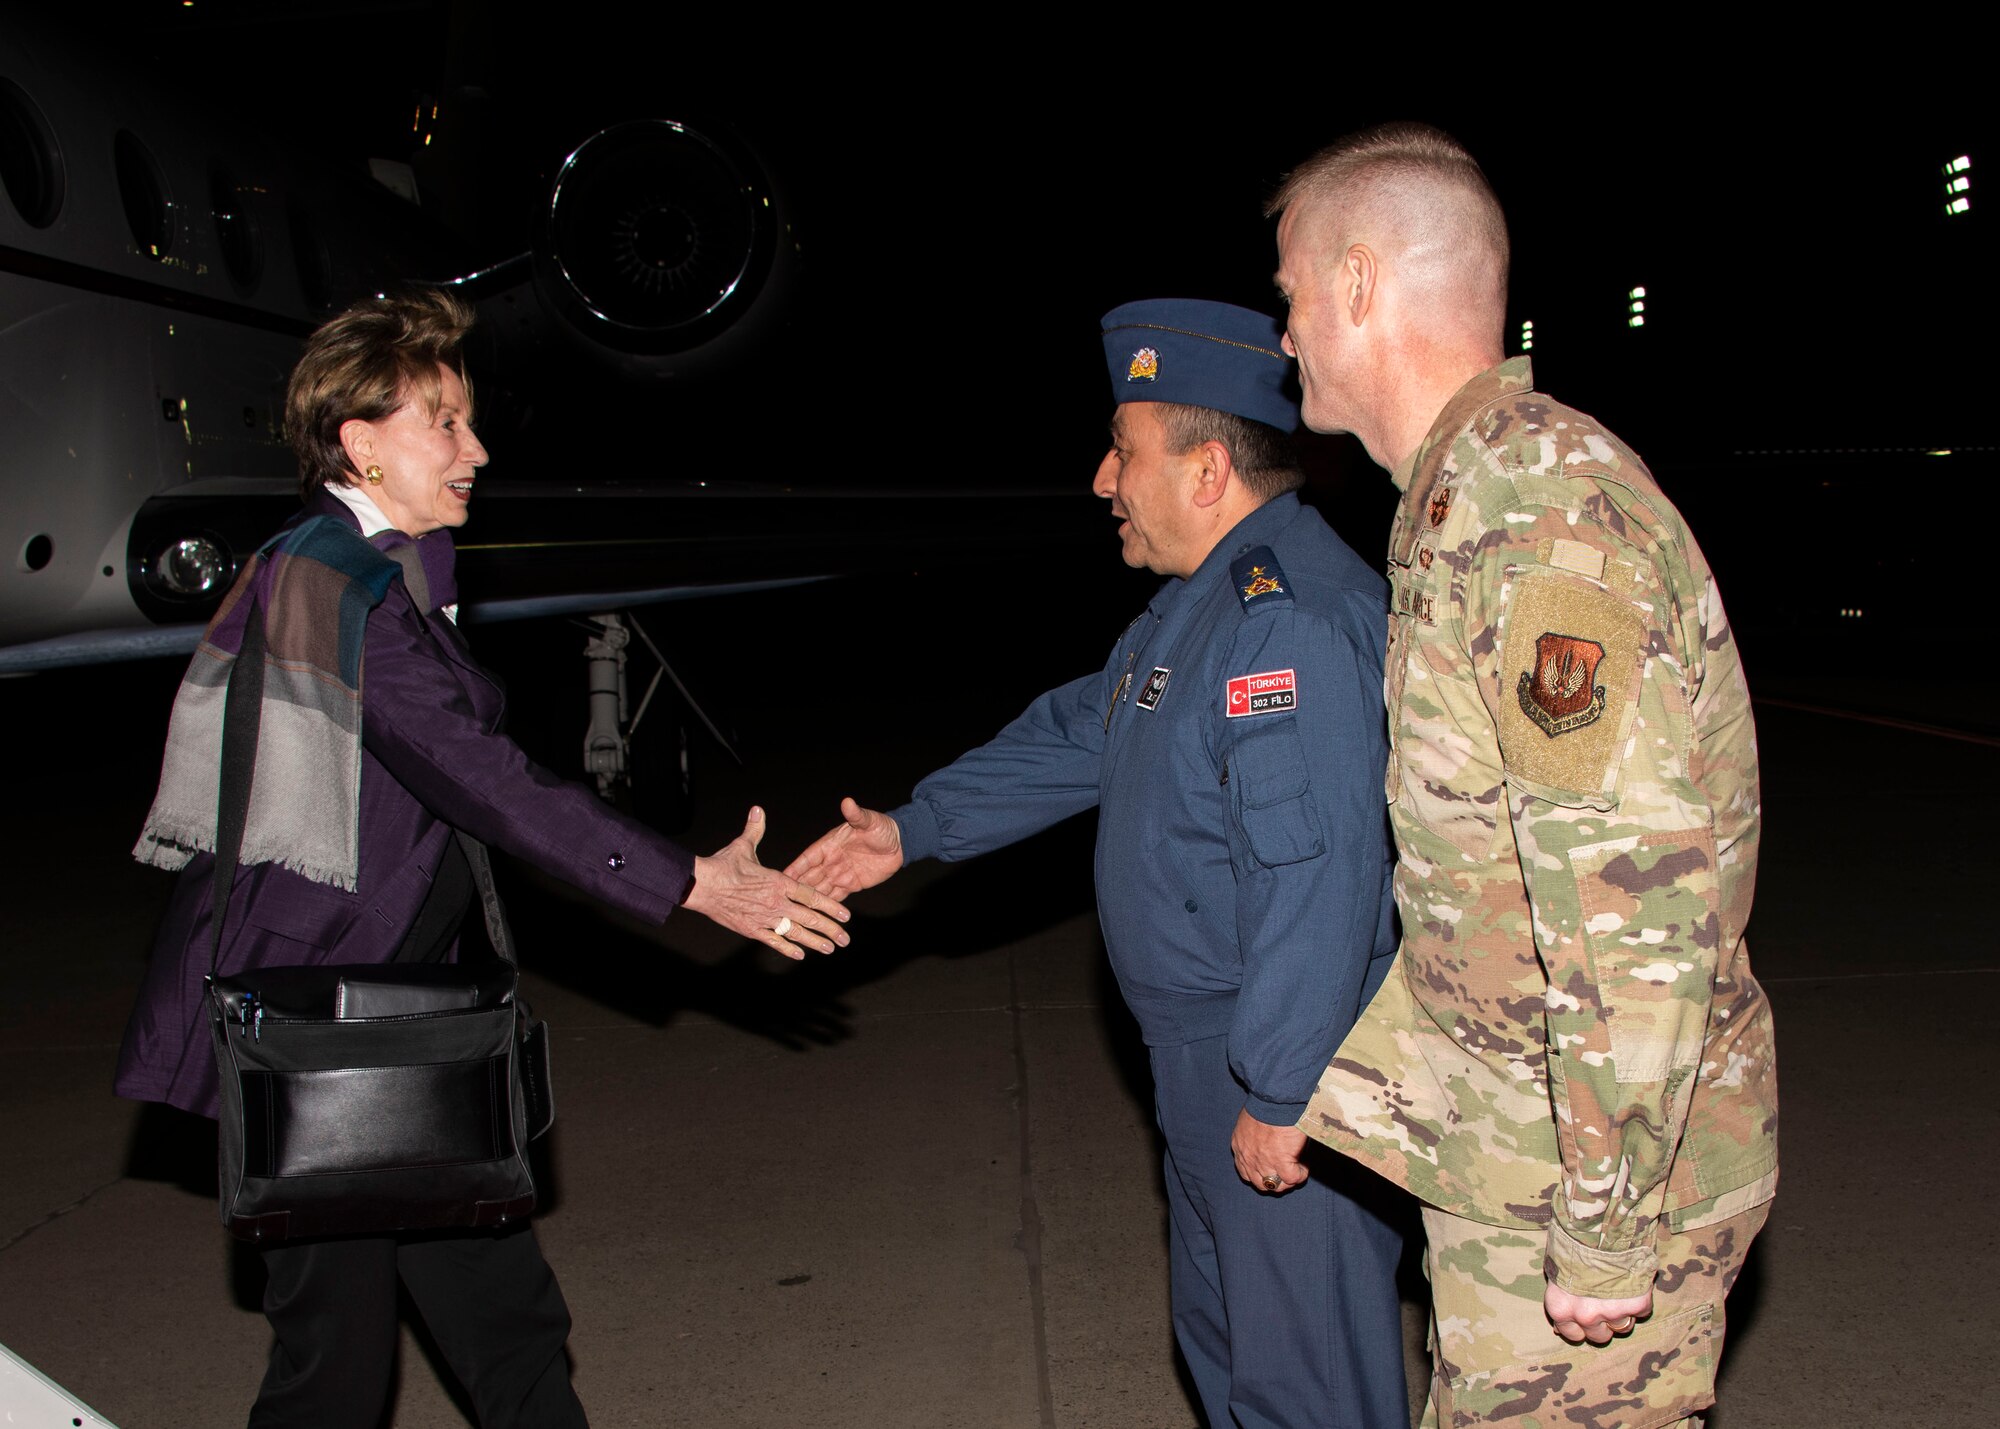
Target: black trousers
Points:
(490, 1301)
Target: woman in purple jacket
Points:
(380, 416)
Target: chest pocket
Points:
(1443, 780)
(1271, 795)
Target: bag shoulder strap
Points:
(242, 711)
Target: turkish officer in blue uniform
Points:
(1234, 744)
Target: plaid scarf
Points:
(316, 584)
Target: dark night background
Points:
(964, 209)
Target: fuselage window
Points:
(235, 227)
(31, 164)
(149, 207)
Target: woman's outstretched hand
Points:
(733, 889)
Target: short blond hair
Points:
(367, 363)
(1416, 183)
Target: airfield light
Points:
(1958, 186)
(1527, 334)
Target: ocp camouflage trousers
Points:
(1495, 1359)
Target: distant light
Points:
(427, 141)
(1638, 305)
(1635, 307)
(417, 120)
(1957, 185)
(1527, 334)
(1635, 321)
(1636, 293)
(1942, 451)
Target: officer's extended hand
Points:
(1265, 1153)
(859, 852)
(738, 892)
(1583, 1317)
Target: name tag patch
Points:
(1155, 687)
(1272, 692)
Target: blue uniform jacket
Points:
(1243, 859)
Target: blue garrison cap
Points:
(1201, 354)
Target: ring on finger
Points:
(784, 926)
(1271, 1181)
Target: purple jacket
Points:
(432, 760)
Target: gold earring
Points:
(374, 476)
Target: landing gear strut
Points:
(651, 779)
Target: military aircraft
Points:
(160, 264)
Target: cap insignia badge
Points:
(1145, 366)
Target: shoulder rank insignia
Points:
(1258, 577)
(1145, 366)
(1561, 693)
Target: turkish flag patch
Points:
(1273, 692)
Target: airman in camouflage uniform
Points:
(1570, 1062)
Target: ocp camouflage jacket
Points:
(1571, 1036)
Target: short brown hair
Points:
(1265, 458)
(366, 363)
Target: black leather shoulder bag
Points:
(367, 1098)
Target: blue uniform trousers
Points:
(1285, 1306)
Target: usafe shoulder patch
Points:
(1259, 579)
(1571, 672)
(1561, 692)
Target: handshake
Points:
(800, 908)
